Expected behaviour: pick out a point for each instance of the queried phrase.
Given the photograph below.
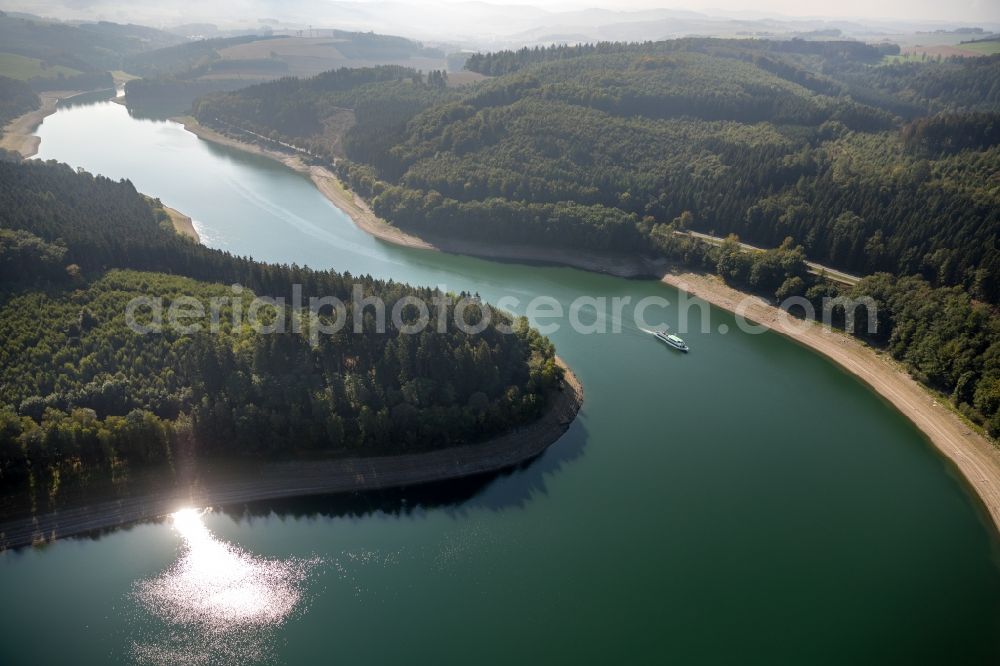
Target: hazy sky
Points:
(952, 10)
(224, 11)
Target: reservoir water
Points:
(748, 503)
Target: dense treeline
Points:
(761, 139)
(187, 61)
(945, 338)
(26, 257)
(293, 107)
(370, 46)
(955, 84)
(680, 84)
(815, 149)
(953, 132)
(173, 95)
(191, 60)
(91, 49)
(96, 80)
(173, 77)
(16, 98)
(499, 63)
(316, 113)
(80, 392)
(82, 46)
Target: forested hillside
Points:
(190, 59)
(16, 98)
(375, 104)
(81, 393)
(870, 167)
(173, 77)
(946, 339)
(888, 170)
(51, 55)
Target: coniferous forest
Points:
(870, 167)
(80, 392)
(267, 395)
(16, 98)
(820, 150)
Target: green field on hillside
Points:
(23, 68)
(991, 47)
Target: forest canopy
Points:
(81, 392)
(16, 98)
(818, 150)
(869, 167)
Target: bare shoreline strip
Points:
(975, 458)
(356, 208)
(19, 134)
(289, 479)
(181, 223)
(312, 477)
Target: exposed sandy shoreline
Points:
(310, 477)
(977, 459)
(331, 187)
(18, 134)
(182, 223)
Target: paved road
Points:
(814, 268)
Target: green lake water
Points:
(748, 503)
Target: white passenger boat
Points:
(670, 340)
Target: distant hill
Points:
(262, 57)
(818, 150)
(175, 76)
(579, 145)
(187, 60)
(52, 55)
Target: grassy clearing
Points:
(23, 68)
(907, 57)
(940, 51)
(123, 76)
(983, 48)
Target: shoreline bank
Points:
(972, 455)
(975, 458)
(183, 224)
(19, 134)
(279, 480)
(358, 210)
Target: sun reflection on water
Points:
(217, 600)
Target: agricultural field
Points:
(24, 68)
(991, 47)
(308, 56)
(931, 53)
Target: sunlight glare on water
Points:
(219, 595)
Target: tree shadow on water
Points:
(511, 488)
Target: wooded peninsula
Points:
(84, 395)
